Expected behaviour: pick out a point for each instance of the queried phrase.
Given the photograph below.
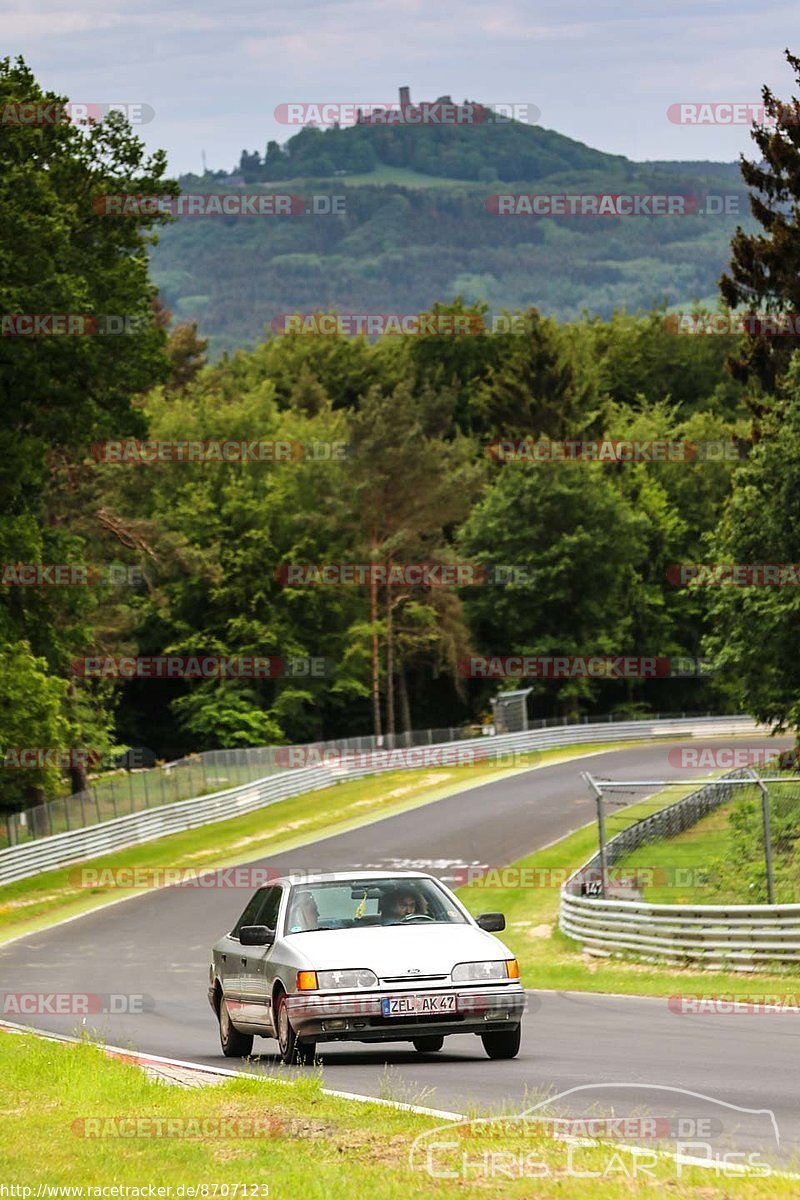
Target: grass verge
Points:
(550, 960)
(74, 1118)
(32, 904)
(682, 868)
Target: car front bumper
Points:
(354, 1017)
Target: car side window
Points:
(248, 917)
(268, 911)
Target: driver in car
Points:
(395, 906)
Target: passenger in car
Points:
(304, 913)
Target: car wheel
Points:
(427, 1045)
(504, 1044)
(234, 1044)
(292, 1050)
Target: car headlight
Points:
(357, 978)
(478, 972)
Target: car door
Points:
(230, 953)
(255, 978)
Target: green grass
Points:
(680, 865)
(34, 903)
(310, 1145)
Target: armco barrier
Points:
(45, 854)
(737, 936)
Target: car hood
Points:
(397, 949)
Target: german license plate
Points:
(402, 1006)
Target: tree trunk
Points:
(373, 616)
(37, 812)
(405, 709)
(77, 771)
(77, 778)
(389, 666)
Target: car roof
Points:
(298, 879)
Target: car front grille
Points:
(413, 980)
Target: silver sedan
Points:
(363, 957)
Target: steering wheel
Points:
(416, 917)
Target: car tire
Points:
(504, 1044)
(428, 1045)
(293, 1051)
(234, 1044)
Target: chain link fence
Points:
(132, 790)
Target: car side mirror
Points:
(256, 935)
(491, 922)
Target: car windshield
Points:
(359, 903)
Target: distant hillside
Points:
(483, 149)
(416, 230)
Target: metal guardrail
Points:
(732, 935)
(132, 788)
(76, 845)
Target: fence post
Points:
(767, 835)
(601, 829)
